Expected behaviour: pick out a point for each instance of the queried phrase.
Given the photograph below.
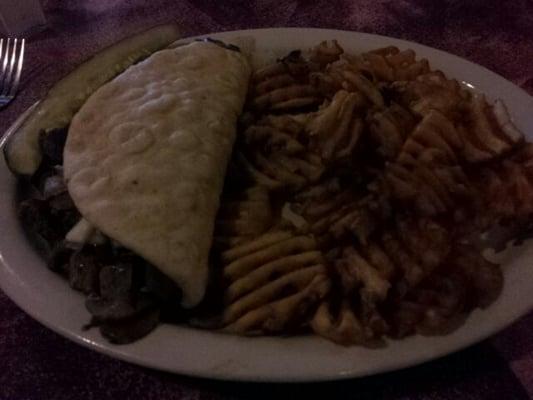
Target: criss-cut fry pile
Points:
(364, 182)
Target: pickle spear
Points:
(66, 97)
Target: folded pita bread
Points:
(146, 156)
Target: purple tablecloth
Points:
(36, 363)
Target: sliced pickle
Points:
(66, 97)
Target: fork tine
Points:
(11, 60)
(4, 66)
(16, 80)
(7, 81)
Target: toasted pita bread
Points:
(146, 156)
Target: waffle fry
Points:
(508, 187)
(333, 213)
(326, 83)
(325, 53)
(440, 304)
(355, 270)
(272, 140)
(436, 132)
(349, 74)
(415, 248)
(277, 152)
(484, 131)
(390, 64)
(426, 239)
(356, 320)
(488, 132)
(256, 175)
(435, 308)
(336, 128)
(342, 327)
(282, 314)
(382, 65)
(390, 128)
(249, 214)
(284, 86)
(294, 96)
(431, 189)
(484, 278)
(358, 82)
(249, 247)
(247, 263)
(504, 122)
(430, 91)
(427, 171)
(272, 281)
(280, 171)
(263, 275)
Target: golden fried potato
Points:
(259, 243)
(390, 128)
(358, 82)
(295, 96)
(274, 290)
(436, 307)
(430, 91)
(249, 262)
(487, 131)
(379, 259)
(412, 271)
(429, 188)
(326, 53)
(256, 175)
(335, 129)
(356, 271)
(426, 239)
(334, 214)
(272, 140)
(390, 64)
(284, 86)
(343, 328)
(506, 188)
(275, 153)
(372, 177)
(281, 315)
(435, 131)
(508, 128)
(484, 277)
(249, 214)
(268, 271)
(272, 281)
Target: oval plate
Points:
(48, 298)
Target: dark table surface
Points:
(36, 363)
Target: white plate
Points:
(48, 298)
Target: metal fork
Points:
(11, 59)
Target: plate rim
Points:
(250, 376)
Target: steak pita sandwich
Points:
(146, 155)
(136, 170)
